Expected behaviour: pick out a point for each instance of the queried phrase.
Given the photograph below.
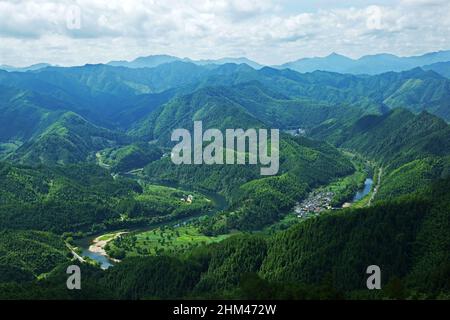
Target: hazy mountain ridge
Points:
(368, 64)
(33, 67)
(156, 60)
(371, 64)
(442, 68)
(143, 101)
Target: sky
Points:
(76, 32)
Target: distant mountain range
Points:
(442, 68)
(33, 67)
(146, 62)
(156, 60)
(63, 115)
(370, 64)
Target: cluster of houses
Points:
(296, 132)
(316, 202)
(188, 199)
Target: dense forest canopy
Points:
(85, 152)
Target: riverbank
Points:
(93, 246)
(98, 244)
(172, 240)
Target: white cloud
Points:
(36, 30)
(424, 2)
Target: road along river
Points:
(93, 246)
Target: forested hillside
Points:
(304, 164)
(66, 115)
(412, 149)
(71, 139)
(84, 198)
(86, 150)
(324, 257)
(25, 255)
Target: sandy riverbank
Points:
(98, 245)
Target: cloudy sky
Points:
(74, 32)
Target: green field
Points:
(167, 240)
(107, 237)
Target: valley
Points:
(86, 175)
(178, 234)
(225, 154)
(183, 235)
(99, 248)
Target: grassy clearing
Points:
(166, 240)
(364, 202)
(107, 237)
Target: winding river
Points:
(84, 244)
(219, 202)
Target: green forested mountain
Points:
(304, 164)
(215, 109)
(70, 139)
(415, 89)
(66, 115)
(280, 111)
(25, 255)
(85, 151)
(210, 105)
(396, 137)
(60, 199)
(397, 236)
(25, 113)
(101, 93)
(84, 198)
(413, 149)
(129, 157)
(320, 258)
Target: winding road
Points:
(75, 255)
(377, 186)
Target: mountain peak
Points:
(32, 67)
(336, 55)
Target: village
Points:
(316, 202)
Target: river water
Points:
(84, 244)
(220, 204)
(364, 191)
